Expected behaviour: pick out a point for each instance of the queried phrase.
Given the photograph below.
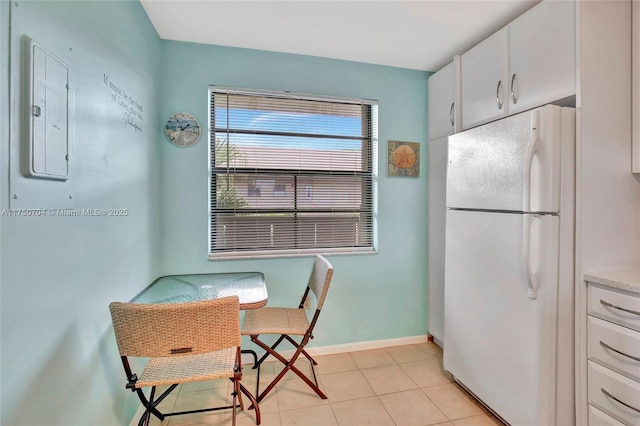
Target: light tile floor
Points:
(400, 385)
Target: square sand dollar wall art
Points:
(403, 159)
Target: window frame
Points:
(370, 198)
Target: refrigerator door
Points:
(437, 216)
(499, 343)
(508, 165)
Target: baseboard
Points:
(351, 347)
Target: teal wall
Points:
(60, 365)
(372, 297)
(58, 274)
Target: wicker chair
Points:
(289, 322)
(186, 342)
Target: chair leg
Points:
(312, 364)
(306, 354)
(151, 403)
(144, 419)
(148, 406)
(146, 416)
(294, 343)
(289, 365)
(254, 354)
(240, 400)
(233, 403)
(274, 346)
(254, 403)
(258, 363)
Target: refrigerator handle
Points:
(532, 285)
(532, 147)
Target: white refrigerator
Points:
(509, 265)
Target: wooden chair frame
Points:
(318, 285)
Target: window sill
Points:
(290, 253)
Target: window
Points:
(291, 174)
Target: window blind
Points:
(290, 173)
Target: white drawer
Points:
(616, 306)
(598, 418)
(615, 347)
(625, 390)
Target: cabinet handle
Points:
(451, 118)
(514, 98)
(498, 97)
(609, 305)
(604, 345)
(604, 391)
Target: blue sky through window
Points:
(296, 123)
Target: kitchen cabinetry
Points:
(444, 105)
(444, 120)
(542, 59)
(438, 154)
(483, 80)
(613, 355)
(528, 63)
(598, 418)
(607, 196)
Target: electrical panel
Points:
(47, 111)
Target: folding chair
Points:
(186, 342)
(289, 322)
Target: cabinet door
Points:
(483, 85)
(442, 102)
(542, 55)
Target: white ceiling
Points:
(421, 35)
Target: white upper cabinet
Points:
(542, 58)
(529, 63)
(443, 101)
(483, 84)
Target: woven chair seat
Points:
(292, 321)
(189, 368)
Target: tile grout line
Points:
(406, 358)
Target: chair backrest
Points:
(174, 329)
(320, 279)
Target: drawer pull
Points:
(604, 391)
(609, 305)
(604, 345)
